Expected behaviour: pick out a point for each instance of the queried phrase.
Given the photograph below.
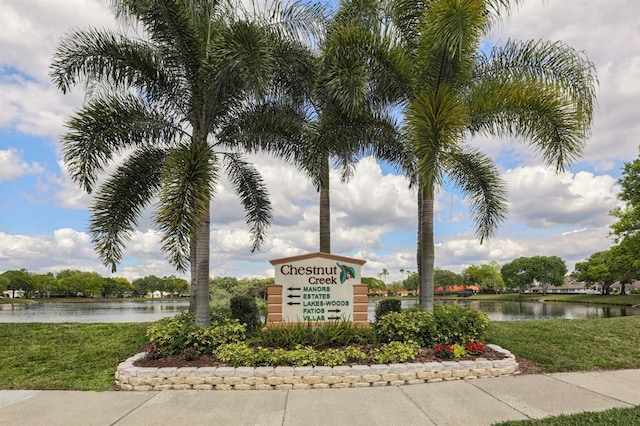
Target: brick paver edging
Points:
(130, 377)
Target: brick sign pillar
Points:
(317, 287)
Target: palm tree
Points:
(543, 92)
(339, 114)
(158, 102)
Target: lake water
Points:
(516, 311)
(127, 311)
(149, 311)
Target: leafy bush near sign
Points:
(385, 306)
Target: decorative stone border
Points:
(131, 378)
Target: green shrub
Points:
(241, 354)
(173, 335)
(245, 310)
(410, 325)
(354, 354)
(456, 324)
(332, 357)
(385, 306)
(448, 324)
(170, 336)
(207, 339)
(340, 333)
(395, 352)
(237, 354)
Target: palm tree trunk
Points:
(194, 282)
(203, 317)
(427, 246)
(325, 209)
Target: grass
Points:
(84, 356)
(65, 356)
(613, 417)
(572, 345)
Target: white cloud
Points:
(542, 199)
(12, 166)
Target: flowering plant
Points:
(444, 351)
(153, 352)
(191, 353)
(474, 348)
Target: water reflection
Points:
(516, 310)
(127, 311)
(149, 311)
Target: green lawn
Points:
(84, 356)
(569, 345)
(613, 417)
(65, 356)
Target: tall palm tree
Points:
(341, 113)
(542, 92)
(158, 102)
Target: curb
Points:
(131, 378)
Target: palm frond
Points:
(271, 127)
(552, 64)
(480, 180)
(548, 122)
(188, 179)
(253, 194)
(106, 127)
(120, 200)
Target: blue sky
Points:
(43, 215)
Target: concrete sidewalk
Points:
(472, 402)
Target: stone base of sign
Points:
(131, 378)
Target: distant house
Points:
(568, 287)
(457, 289)
(14, 294)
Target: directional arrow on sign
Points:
(293, 303)
(333, 310)
(333, 318)
(293, 295)
(294, 288)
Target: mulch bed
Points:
(425, 355)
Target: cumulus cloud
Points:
(612, 42)
(12, 165)
(542, 199)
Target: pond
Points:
(126, 311)
(516, 311)
(149, 311)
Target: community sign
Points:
(317, 287)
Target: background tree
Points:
(524, 272)
(18, 279)
(373, 284)
(625, 261)
(147, 284)
(43, 284)
(596, 270)
(384, 274)
(542, 92)
(445, 278)
(412, 283)
(160, 102)
(628, 223)
(4, 282)
(486, 276)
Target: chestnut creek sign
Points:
(316, 287)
